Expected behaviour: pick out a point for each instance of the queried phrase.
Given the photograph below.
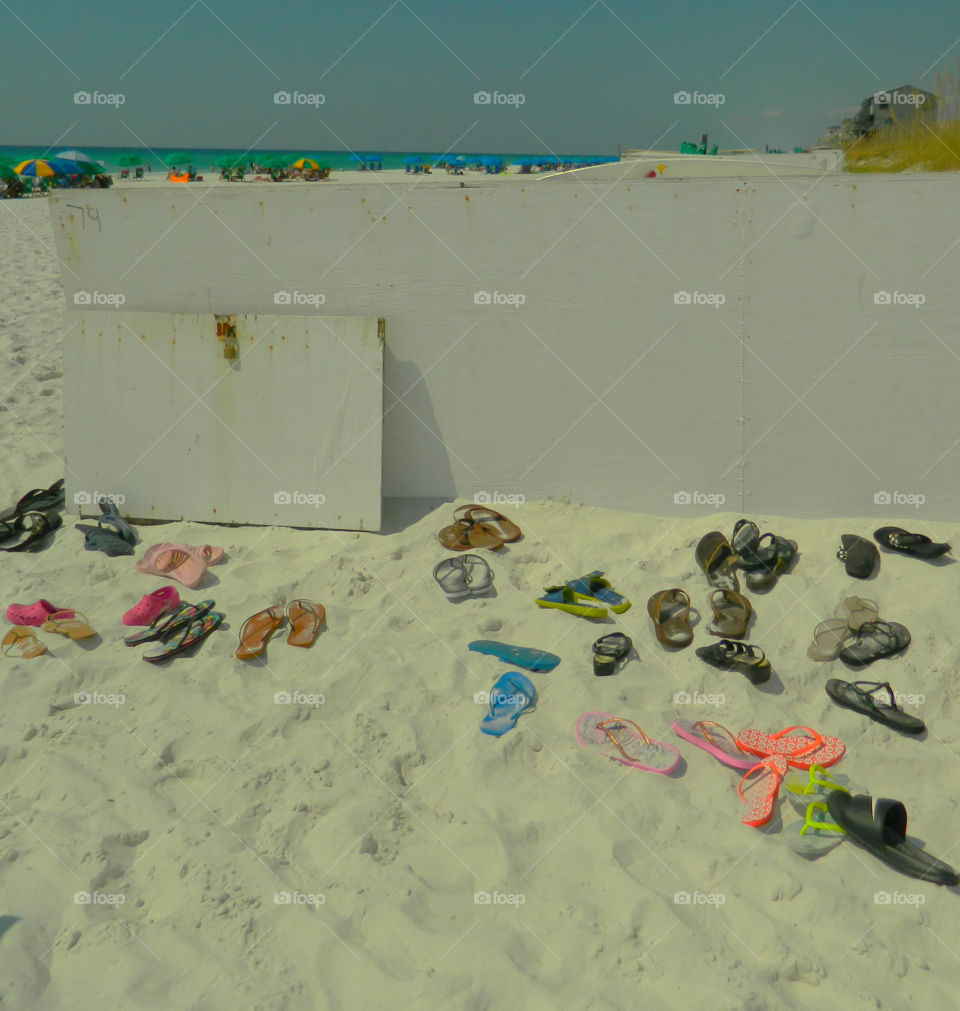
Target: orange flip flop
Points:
(762, 805)
(305, 619)
(257, 629)
(465, 534)
(507, 530)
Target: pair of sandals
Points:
(669, 611)
(66, 622)
(305, 618)
(588, 596)
(463, 576)
(761, 558)
(112, 535)
(857, 635)
(182, 562)
(35, 516)
(178, 630)
(622, 741)
(478, 526)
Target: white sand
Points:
(198, 798)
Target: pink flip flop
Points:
(624, 742)
(723, 750)
(176, 561)
(151, 606)
(801, 751)
(31, 614)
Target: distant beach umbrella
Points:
(179, 158)
(77, 156)
(416, 159)
(77, 168)
(128, 160)
(227, 161)
(273, 161)
(302, 163)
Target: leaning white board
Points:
(288, 432)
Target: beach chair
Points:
(125, 173)
(139, 174)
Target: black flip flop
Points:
(195, 632)
(918, 545)
(608, 651)
(37, 500)
(170, 621)
(100, 539)
(881, 828)
(852, 696)
(875, 639)
(37, 526)
(859, 556)
(740, 656)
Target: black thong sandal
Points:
(166, 624)
(37, 500)
(881, 829)
(853, 695)
(859, 556)
(608, 651)
(918, 545)
(740, 656)
(875, 639)
(37, 526)
(186, 638)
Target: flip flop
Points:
(856, 611)
(725, 751)
(815, 783)
(478, 574)
(72, 624)
(594, 587)
(462, 535)
(669, 611)
(565, 599)
(166, 624)
(731, 614)
(716, 558)
(37, 526)
(858, 555)
(624, 742)
(25, 640)
(881, 828)
(608, 651)
(875, 639)
(100, 539)
(800, 751)
(511, 696)
(520, 656)
(828, 638)
(762, 559)
(918, 545)
(31, 614)
(112, 519)
(885, 711)
(505, 529)
(305, 619)
(762, 806)
(175, 561)
(151, 606)
(187, 637)
(463, 576)
(40, 499)
(739, 656)
(257, 629)
(816, 834)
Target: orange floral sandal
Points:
(763, 803)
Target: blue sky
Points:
(402, 74)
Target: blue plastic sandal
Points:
(594, 587)
(523, 656)
(510, 697)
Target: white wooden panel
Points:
(287, 433)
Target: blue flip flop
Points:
(523, 656)
(510, 697)
(594, 587)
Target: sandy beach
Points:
(312, 830)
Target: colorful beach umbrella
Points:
(45, 168)
(128, 160)
(302, 163)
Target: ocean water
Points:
(204, 159)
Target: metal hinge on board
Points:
(227, 335)
(381, 329)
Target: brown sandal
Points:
(305, 619)
(465, 534)
(257, 629)
(505, 529)
(24, 640)
(670, 611)
(716, 558)
(731, 614)
(72, 624)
